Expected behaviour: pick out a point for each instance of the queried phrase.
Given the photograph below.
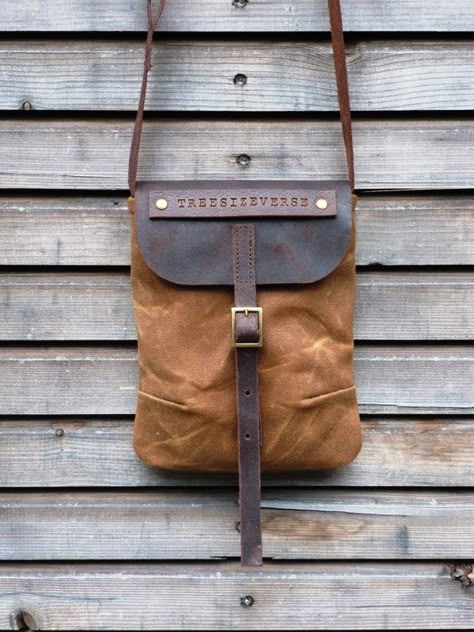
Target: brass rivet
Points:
(322, 204)
(161, 204)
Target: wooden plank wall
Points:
(89, 537)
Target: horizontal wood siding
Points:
(79, 452)
(283, 595)
(281, 76)
(97, 306)
(194, 525)
(44, 380)
(85, 154)
(258, 15)
(94, 231)
(91, 538)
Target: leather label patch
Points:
(258, 200)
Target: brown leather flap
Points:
(291, 247)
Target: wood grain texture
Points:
(70, 452)
(97, 306)
(102, 381)
(197, 75)
(417, 230)
(69, 231)
(83, 154)
(208, 596)
(72, 488)
(194, 525)
(92, 230)
(218, 16)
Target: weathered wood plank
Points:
(93, 306)
(102, 381)
(197, 75)
(215, 15)
(98, 453)
(92, 230)
(401, 306)
(209, 596)
(390, 154)
(67, 307)
(415, 230)
(191, 525)
(67, 231)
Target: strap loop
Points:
(337, 37)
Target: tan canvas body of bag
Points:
(244, 295)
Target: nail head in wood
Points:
(247, 601)
(240, 80)
(243, 160)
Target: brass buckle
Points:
(246, 311)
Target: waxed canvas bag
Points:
(244, 294)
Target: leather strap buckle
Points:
(235, 334)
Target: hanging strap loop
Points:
(337, 37)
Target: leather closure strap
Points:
(337, 37)
(247, 333)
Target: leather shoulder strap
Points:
(152, 21)
(337, 37)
